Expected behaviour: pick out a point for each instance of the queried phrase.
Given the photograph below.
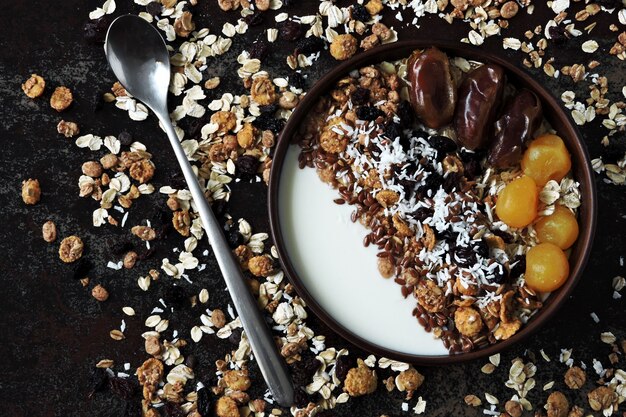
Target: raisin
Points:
(219, 207)
(177, 180)
(119, 247)
(506, 237)
(254, 19)
(368, 113)
(359, 12)
(481, 248)
(442, 145)
(234, 238)
(472, 169)
(175, 296)
(173, 410)
(558, 34)
(471, 162)
(406, 114)
(95, 31)
(204, 403)
(431, 182)
(393, 130)
(154, 8)
(146, 254)
(304, 369)
(269, 122)
(499, 275)
(310, 45)
(518, 266)
(97, 381)
(235, 337)
(464, 256)
(124, 388)
(360, 96)
(343, 365)
(451, 182)
(81, 268)
(297, 80)
(269, 109)
(290, 30)
(259, 50)
(448, 236)
(422, 213)
(247, 166)
(301, 399)
(195, 126)
(191, 361)
(125, 138)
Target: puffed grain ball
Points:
(343, 47)
(509, 9)
(386, 267)
(262, 5)
(360, 380)
(514, 408)
(263, 91)
(100, 293)
(61, 98)
(409, 380)
(226, 407)
(108, 161)
(31, 192)
(68, 129)
(260, 266)
(557, 405)
(246, 136)
(238, 380)
(468, 321)
(130, 259)
(152, 345)
(601, 398)
(71, 249)
(34, 86)
(49, 231)
(218, 318)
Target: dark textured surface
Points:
(52, 332)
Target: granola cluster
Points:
(429, 206)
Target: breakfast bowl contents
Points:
(445, 205)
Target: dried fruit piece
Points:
(31, 192)
(546, 159)
(514, 128)
(49, 231)
(433, 92)
(71, 249)
(517, 202)
(560, 228)
(100, 293)
(547, 267)
(61, 98)
(479, 96)
(34, 86)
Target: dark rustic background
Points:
(52, 332)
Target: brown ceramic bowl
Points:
(553, 112)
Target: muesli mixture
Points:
(462, 222)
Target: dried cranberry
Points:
(259, 50)
(204, 403)
(247, 166)
(97, 381)
(558, 34)
(254, 19)
(360, 96)
(359, 12)
(310, 45)
(290, 30)
(234, 238)
(518, 266)
(269, 122)
(343, 365)
(442, 145)
(81, 268)
(124, 388)
(125, 138)
(297, 80)
(368, 113)
(174, 296)
(95, 31)
(173, 410)
(393, 130)
(154, 8)
(422, 213)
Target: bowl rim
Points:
(552, 110)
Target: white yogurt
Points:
(326, 250)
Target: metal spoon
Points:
(137, 54)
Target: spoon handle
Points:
(263, 346)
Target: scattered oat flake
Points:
(590, 46)
(420, 407)
(129, 311)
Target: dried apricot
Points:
(560, 228)
(546, 159)
(517, 202)
(547, 267)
